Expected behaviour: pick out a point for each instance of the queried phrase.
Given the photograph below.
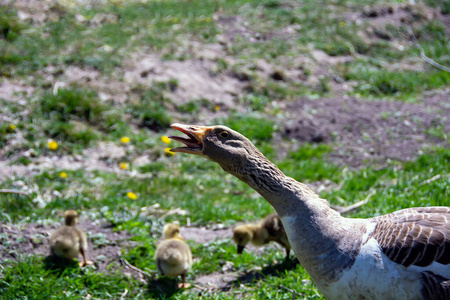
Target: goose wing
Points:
(415, 236)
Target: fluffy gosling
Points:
(69, 240)
(267, 230)
(173, 256)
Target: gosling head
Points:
(172, 231)
(242, 235)
(70, 217)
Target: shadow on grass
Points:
(163, 288)
(270, 270)
(59, 265)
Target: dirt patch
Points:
(216, 281)
(14, 90)
(369, 130)
(108, 88)
(202, 235)
(193, 77)
(32, 239)
(385, 20)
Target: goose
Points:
(400, 255)
(267, 230)
(173, 256)
(69, 240)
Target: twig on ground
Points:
(422, 53)
(294, 292)
(431, 179)
(346, 209)
(124, 294)
(126, 263)
(9, 191)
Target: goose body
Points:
(69, 240)
(401, 255)
(173, 256)
(270, 229)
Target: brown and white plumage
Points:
(173, 256)
(402, 255)
(69, 240)
(270, 229)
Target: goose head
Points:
(220, 144)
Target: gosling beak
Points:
(196, 134)
(240, 248)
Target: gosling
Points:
(69, 240)
(267, 230)
(173, 256)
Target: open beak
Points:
(194, 142)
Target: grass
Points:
(379, 83)
(101, 38)
(51, 282)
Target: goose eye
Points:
(224, 134)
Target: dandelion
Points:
(63, 175)
(12, 127)
(123, 165)
(342, 24)
(52, 145)
(132, 195)
(167, 151)
(165, 139)
(125, 140)
(217, 107)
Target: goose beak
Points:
(240, 249)
(194, 142)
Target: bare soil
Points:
(369, 131)
(106, 245)
(21, 240)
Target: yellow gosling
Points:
(173, 256)
(69, 240)
(270, 229)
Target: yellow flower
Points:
(132, 195)
(12, 127)
(167, 151)
(63, 175)
(217, 107)
(125, 140)
(123, 165)
(52, 145)
(165, 139)
(342, 24)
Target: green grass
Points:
(380, 83)
(150, 110)
(36, 278)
